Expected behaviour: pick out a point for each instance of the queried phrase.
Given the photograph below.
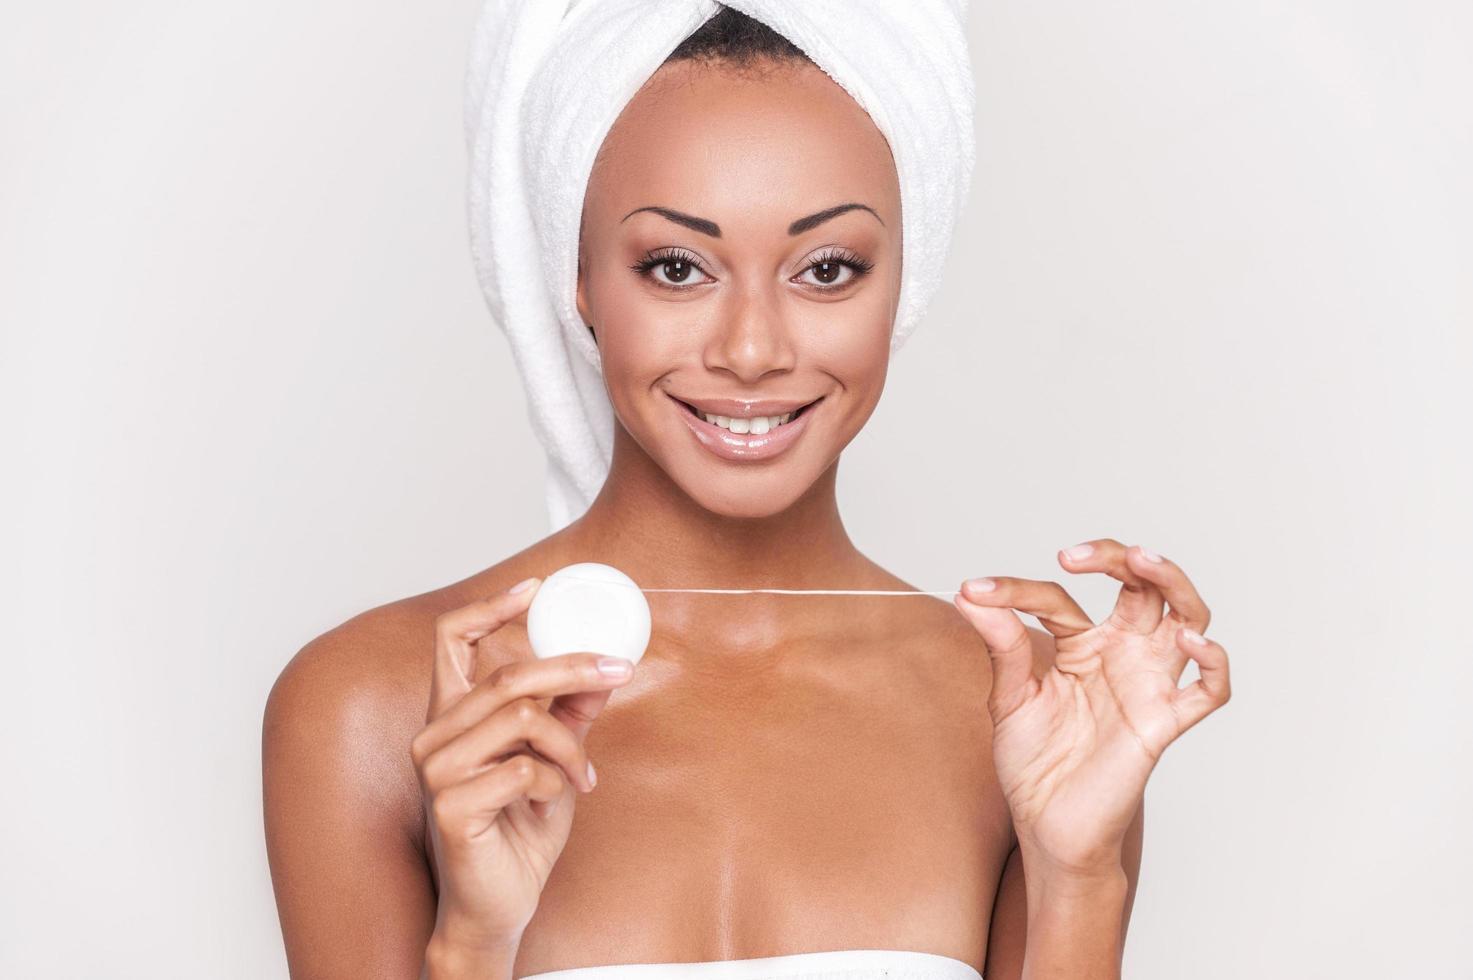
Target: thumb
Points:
(578, 709)
(1011, 651)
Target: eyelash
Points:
(656, 257)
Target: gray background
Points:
(1211, 295)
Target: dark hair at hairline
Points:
(730, 37)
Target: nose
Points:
(751, 339)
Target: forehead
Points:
(758, 148)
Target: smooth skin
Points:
(779, 774)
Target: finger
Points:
(578, 710)
(1209, 691)
(1054, 608)
(456, 633)
(1011, 652)
(469, 807)
(568, 673)
(523, 724)
(1138, 608)
(1186, 607)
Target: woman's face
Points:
(740, 262)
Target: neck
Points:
(644, 524)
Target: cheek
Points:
(639, 343)
(852, 342)
(643, 341)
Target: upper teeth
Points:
(757, 425)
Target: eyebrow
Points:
(707, 227)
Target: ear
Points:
(581, 300)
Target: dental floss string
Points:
(575, 610)
(885, 592)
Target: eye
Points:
(674, 266)
(836, 269)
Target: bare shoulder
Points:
(338, 784)
(343, 810)
(349, 695)
(358, 692)
(954, 644)
(372, 660)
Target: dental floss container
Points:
(589, 608)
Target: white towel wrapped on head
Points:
(547, 79)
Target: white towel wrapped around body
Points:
(545, 82)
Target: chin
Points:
(749, 495)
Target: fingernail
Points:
(979, 585)
(592, 776)
(1148, 554)
(614, 666)
(1079, 551)
(521, 586)
(1193, 636)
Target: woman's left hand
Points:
(1074, 748)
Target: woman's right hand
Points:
(498, 770)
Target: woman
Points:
(784, 786)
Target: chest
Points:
(777, 815)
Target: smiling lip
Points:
(745, 448)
